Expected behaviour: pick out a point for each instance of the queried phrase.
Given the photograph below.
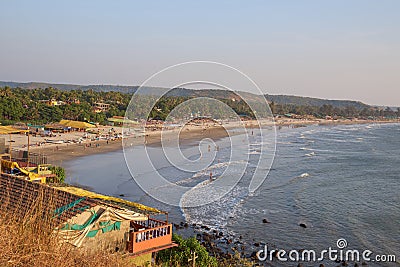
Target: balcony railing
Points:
(149, 236)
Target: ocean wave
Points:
(216, 169)
(255, 144)
(255, 152)
(216, 214)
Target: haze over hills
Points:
(214, 93)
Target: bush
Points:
(178, 256)
(59, 172)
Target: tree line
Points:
(27, 105)
(332, 111)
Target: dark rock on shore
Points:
(206, 237)
(205, 227)
(219, 244)
(228, 256)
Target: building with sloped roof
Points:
(88, 220)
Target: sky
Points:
(328, 49)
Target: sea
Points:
(325, 184)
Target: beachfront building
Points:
(99, 107)
(90, 221)
(77, 125)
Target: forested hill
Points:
(183, 92)
(69, 87)
(316, 102)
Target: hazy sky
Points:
(329, 49)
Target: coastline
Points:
(59, 153)
(219, 243)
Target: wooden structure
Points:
(149, 236)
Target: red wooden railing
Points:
(148, 235)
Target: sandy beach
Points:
(76, 146)
(58, 153)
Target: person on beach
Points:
(210, 176)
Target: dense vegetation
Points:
(59, 172)
(334, 111)
(182, 254)
(27, 105)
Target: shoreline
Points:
(59, 153)
(217, 242)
